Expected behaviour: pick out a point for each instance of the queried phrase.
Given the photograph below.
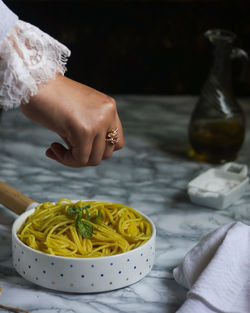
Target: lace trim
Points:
(29, 58)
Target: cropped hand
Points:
(81, 116)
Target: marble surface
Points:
(151, 174)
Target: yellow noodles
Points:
(52, 230)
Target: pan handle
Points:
(13, 199)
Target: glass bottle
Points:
(217, 126)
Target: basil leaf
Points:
(74, 210)
(85, 228)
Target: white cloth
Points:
(7, 20)
(217, 272)
(29, 58)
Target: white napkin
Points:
(217, 272)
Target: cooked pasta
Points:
(84, 228)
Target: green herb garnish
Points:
(82, 217)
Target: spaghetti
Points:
(54, 229)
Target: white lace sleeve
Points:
(29, 58)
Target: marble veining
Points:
(150, 174)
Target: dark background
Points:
(140, 47)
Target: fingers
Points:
(50, 154)
(60, 154)
(88, 150)
(98, 148)
(108, 151)
(74, 156)
(99, 151)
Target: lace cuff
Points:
(29, 58)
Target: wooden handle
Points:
(13, 199)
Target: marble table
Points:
(150, 173)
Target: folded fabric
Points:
(217, 272)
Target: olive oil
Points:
(216, 141)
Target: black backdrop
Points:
(140, 47)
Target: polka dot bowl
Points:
(82, 275)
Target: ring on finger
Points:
(112, 136)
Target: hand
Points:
(81, 115)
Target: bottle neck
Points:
(221, 65)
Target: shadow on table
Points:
(180, 296)
(176, 147)
(181, 197)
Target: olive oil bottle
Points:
(217, 126)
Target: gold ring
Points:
(112, 136)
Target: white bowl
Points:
(82, 275)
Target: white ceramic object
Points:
(219, 188)
(81, 275)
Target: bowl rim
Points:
(127, 253)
